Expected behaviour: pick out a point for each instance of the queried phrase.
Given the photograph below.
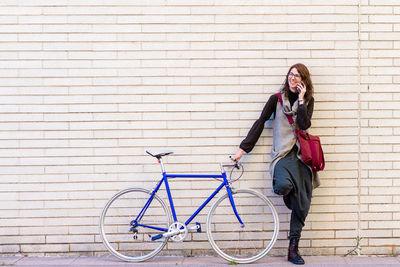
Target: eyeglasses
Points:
(297, 76)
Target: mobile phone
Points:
(298, 88)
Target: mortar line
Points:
(359, 119)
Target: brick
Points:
(375, 199)
(165, 99)
(384, 19)
(368, 216)
(376, 9)
(92, 37)
(376, 27)
(214, 98)
(42, 19)
(44, 248)
(384, 225)
(9, 19)
(330, 226)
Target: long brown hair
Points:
(305, 78)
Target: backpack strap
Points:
(290, 119)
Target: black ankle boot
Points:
(293, 252)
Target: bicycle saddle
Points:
(159, 154)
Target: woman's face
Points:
(294, 79)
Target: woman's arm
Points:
(304, 115)
(254, 134)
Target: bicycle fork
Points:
(234, 206)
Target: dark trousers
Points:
(293, 178)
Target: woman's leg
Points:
(300, 199)
(296, 225)
(300, 203)
(282, 181)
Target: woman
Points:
(292, 178)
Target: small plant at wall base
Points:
(395, 251)
(357, 249)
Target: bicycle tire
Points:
(115, 227)
(255, 239)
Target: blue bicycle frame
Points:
(225, 183)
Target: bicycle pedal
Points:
(195, 228)
(199, 228)
(156, 237)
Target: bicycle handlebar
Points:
(236, 162)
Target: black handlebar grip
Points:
(236, 162)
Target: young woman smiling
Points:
(291, 177)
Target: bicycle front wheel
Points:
(134, 244)
(248, 242)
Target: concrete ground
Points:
(109, 261)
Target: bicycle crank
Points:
(177, 232)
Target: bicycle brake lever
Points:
(236, 162)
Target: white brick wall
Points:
(87, 86)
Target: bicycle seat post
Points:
(161, 164)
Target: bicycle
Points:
(242, 225)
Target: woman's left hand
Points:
(302, 89)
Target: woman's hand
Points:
(238, 154)
(302, 89)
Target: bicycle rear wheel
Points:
(253, 240)
(128, 244)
